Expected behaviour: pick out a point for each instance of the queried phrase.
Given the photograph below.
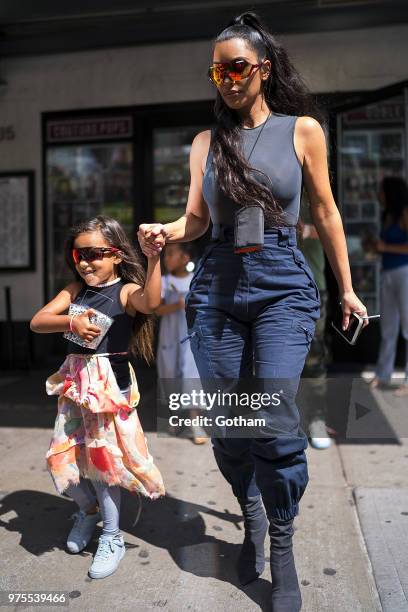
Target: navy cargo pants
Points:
(254, 315)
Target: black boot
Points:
(286, 595)
(251, 561)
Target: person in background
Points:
(316, 361)
(393, 248)
(175, 359)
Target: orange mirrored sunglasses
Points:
(237, 70)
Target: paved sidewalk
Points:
(181, 554)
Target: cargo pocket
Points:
(300, 261)
(199, 348)
(307, 329)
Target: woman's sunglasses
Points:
(237, 70)
(91, 253)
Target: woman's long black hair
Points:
(396, 198)
(284, 93)
(131, 270)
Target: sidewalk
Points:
(180, 555)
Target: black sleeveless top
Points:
(116, 340)
(274, 154)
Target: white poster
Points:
(15, 222)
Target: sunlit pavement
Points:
(181, 553)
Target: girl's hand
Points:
(181, 303)
(82, 326)
(152, 238)
(350, 303)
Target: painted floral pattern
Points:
(97, 433)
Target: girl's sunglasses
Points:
(91, 253)
(237, 70)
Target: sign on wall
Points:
(93, 128)
(17, 221)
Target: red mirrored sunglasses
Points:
(237, 70)
(91, 253)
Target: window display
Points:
(372, 145)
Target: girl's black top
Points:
(116, 340)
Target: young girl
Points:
(175, 359)
(98, 437)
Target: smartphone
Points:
(351, 334)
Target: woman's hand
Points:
(152, 238)
(82, 326)
(350, 303)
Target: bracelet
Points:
(70, 323)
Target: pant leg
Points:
(314, 389)
(221, 346)
(401, 280)
(109, 504)
(82, 494)
(390, 324)
(282, 341)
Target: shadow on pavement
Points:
(170, 523)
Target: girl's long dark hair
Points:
(396, 197)
(131, 270)
(284, 93)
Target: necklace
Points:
(260, 132)
(113, 282)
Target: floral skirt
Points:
(97, 433)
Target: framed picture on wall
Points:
(17, 227)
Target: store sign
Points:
(77, 130)
(384, 112)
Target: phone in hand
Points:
(355, 327)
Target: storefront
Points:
(370, 143)
(132, 164)
(98, 130)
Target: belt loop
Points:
(292, 236)
(283, 236)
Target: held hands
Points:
(82, 326)
(350, 303)
(152, 238)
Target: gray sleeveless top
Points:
(275, 155)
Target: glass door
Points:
(171, 170)
(84, 181)
(371, 145)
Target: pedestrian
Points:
(174, 357)
(393, 248)
(254, 307)
(98, 443)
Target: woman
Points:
(393, 246)
(255, 312)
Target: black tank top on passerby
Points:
(274, 154)
(118, 336)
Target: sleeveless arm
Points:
(50, 318)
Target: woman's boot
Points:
(251, 561)
(286, 595)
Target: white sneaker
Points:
(111, 550)
(319, 438)
(82, 530)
